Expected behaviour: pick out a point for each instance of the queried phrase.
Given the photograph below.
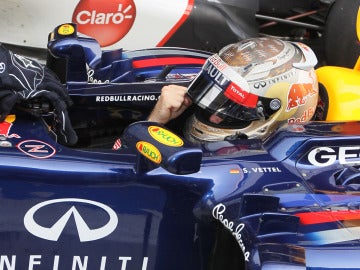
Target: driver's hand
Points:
(172, 102)
(23, 80)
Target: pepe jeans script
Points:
(217, 213)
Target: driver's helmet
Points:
(251, 87)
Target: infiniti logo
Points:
(85, 233)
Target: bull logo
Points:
(6, 125)
(298, 94)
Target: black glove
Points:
(23, 79)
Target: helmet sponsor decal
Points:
(304, 117)
(218, 62)
(149, 151)
(165, 137)
(234, 86)
(240, 96)
(298, 94)
(106, 21)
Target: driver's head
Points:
(251, 87)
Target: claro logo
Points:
(85, 233)
(325, 156)
(106, 21)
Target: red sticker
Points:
(240, 96)
(106, 21)
(6, 126)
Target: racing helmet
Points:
(250, 88)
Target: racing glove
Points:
(24, 80)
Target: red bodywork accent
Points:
(167, 61)
(178, 24)
(328, 216)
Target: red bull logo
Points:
(6, 125)
(306, 115)
(106, 21)
(298, 94)
(217, 62)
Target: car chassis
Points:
(160, 202)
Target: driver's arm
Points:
(172, 102)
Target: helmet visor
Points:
(222, 91)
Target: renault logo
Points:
(85, 233)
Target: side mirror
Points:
(163, 148)
(75, 51)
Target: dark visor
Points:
(220, 90)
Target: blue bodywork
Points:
(291, 201)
